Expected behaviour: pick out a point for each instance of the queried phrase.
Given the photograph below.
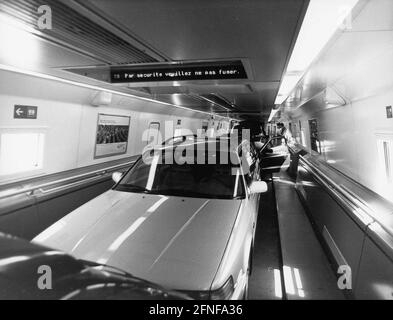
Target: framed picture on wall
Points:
(112, 135)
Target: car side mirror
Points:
(116, 176)
(258, 187)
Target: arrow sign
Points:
(25, 112)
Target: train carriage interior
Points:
(221, 149)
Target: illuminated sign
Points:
(222, 70)
(25, 112)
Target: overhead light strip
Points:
(272, 114)
(321, 21)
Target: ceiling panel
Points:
(72, 28)
(115, 32)
(261, 31)
(191, 30)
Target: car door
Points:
(251, 156)
(251, 202)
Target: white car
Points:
(188, 227)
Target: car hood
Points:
(177, 242)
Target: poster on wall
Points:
(112, 135)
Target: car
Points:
(181, 217)
(31, 272)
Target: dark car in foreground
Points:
(31, 272)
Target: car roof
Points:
(221, 144)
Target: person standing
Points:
(284, 132)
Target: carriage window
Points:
(21, 152)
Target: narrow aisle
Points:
(307, 271)
(267, 254)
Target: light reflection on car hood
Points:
(177, 242)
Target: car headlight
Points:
(223, 293)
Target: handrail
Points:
(345, 196)
(69, 185)
(99, 172)
(351, 207)
(268, 142)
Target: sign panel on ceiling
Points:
(221, 70)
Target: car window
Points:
(222, 181)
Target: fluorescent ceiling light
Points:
(321, 21)
(18, 46)
(272, 114)
(288, 83)
(280, 98)
(7, 20)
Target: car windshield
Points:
(222, 181)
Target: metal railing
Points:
(85, 176)
(269, 141)
(356, 206)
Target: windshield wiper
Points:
(186, 193)
(119, 272)
(189, 193)
(92, 264)
(134, 187)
